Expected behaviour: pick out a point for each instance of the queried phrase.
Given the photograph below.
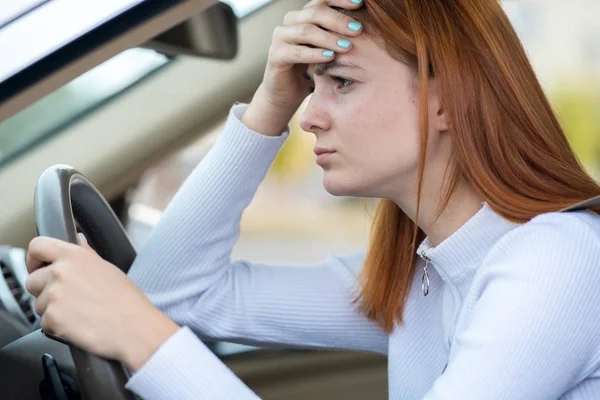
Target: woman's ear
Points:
(437, 114)
(441, 117)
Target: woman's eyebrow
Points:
(321, 69)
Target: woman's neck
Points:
(463, 205)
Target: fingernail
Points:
(328, 53)
(82, 237)
(356, 1)
(343, 43)
(354, 26)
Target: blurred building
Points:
(561, 37)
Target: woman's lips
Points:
(323, 157)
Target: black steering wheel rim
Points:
(65, 199)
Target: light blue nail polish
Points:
(356, 1)
(354, 26)
(328, 53)
(344, 44)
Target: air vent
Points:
(13, 295)
(18, 292)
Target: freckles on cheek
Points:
(367, 113)
(365, 134)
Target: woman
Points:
(473, 285)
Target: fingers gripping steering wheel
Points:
(65, 202)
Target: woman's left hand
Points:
(93, 304)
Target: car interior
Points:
(69, 160)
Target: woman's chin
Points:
(337, 186)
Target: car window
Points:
(243, 8)
(33, 29)
(76, 99)
(51, 114)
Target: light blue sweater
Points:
(513, 310)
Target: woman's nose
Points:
(314, 118)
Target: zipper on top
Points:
(425, 277)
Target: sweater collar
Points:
(464, 251)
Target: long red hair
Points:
(507, 142)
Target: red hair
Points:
(507, 142)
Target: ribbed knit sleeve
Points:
(530, 328)
(185, 269)
(184, 369)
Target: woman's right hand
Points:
(312, 35)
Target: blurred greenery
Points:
(296, 158)
(578, 110)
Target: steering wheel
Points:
(65, 203)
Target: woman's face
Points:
(365, 108)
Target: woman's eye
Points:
(340, 83)
(343, 82)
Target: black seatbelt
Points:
(593, 202)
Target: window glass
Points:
(75, 99)
(242, 8)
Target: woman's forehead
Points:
(366, 55)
